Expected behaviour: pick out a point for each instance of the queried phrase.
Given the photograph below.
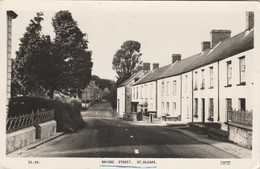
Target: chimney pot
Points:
(219, 36)
(249, 20)
(176, 57)
(146, 66)
(155, 66)
(205, 45)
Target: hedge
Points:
(66, 110)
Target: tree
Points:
(102, 83)
(126, 59)
(71, 47)
(29, 69)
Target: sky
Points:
(162, 28)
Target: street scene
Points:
(110, 80)
(107, 136)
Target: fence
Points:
(20, 122)
(241, 117)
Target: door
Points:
(203, 109)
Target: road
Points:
(107, 136)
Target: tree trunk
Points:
(51, 93)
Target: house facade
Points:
(6, 18)
(204, 87)
(125, 91)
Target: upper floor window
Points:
(134, 92)
(229, 73)
(202, 79)
(186, 82)
(211, 77)
(196, 80)
(151, 90)
(167, 88)
(142, 91)
(242, 70)
(137, 92)
(174, 87)
(162, 88)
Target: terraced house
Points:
(205, 87)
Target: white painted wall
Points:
(167, 96)
(236, 91)
(121, 100)
(186, 97)
(206, 93)
(145, 92)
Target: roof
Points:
(229, 47)
(128, 81)
(153, 75)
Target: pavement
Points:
(183, 128)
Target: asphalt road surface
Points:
(107, 136)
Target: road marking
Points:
(96, 112)
(131, 136)
(126, 129)
(119, 125)
(136, 151)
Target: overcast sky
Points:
(162, 28)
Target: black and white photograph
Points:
(129, 84)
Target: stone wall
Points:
(19, 139)
(46, 129)
(240, 134)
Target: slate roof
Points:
(127, 81)
(229, 47)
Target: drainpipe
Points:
(218, 92)
(181, 96)
(156, 93)
(192, 95)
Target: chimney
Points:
(176, 57)
(249, 20)
(155, 66)
(139, 68)
(146, 66)
(219, 36)
(205, 45)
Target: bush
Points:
(26, 105)
(66, 110)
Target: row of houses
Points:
(204, 87)
(93, 93)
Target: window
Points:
(142, 91)
(151, 90)
(211, 109)
(229, 73)
(146, 91)
(167, 88)
(134, 92)
(196, 107)
(174, 107)
(196, 81)
(167, 107)
(162, 88)
(186, 82)
(162, 108)
(202, 79)
(137, 92)
(242, 104)
(242, 70)
(174, 87)
(229, 108)
(211, 77)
